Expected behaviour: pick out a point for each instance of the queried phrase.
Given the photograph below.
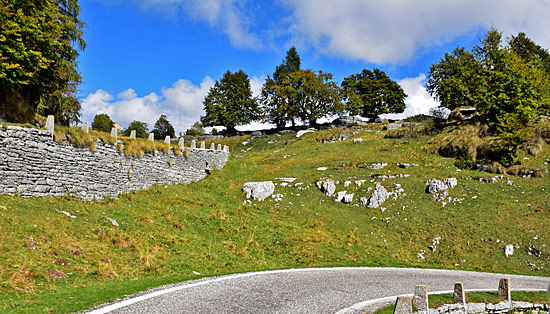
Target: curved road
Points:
(313, 290)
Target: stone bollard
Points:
(420, 299)
(114, 133)
(181, 142)
(212, 146)
(203, 145)
(151, 137)
(133, 134)
(504, 289)
(193, 144)
(50, 124)
(226, 148)
(459, 295)
(219, 147)
(167, 139)
(85, 127)
(403, 305)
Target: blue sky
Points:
(152, 57)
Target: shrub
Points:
(464, 159)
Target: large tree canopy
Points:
(371, 94)
(314, 95)
(230, 103)
(279, 111)
(508, 84)
(38, 58)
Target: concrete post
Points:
(167, 139)
(219, 147)
(193, 144)
(151, 137)
(85, 127)
(181, 142)
(133, 134)
(504, 289)
(403, 305)
(212, 146)
(203, 145)
(420, 299)
(459, 295)
(50, 124)
(114, 133)
(226, 148)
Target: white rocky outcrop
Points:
(258, 191)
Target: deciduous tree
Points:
(372, 93)
(230, 103)
(102, 122)
(140, 128)
(39, 47)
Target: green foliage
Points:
(464, 159)
(507, 84)
(371, 94)
(102, 122)
(312, 95)
(279, 110)
(196, 130)
(163, 128)
(38, 59)
(230, 103)
(140, 127)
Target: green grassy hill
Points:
(173, 233)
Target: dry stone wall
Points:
(33, 164)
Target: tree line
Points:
(292, 94)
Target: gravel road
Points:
(314, 290)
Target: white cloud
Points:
(256, 84)
(228, 15)
(393, 31)
(181, 103)
(418, 99)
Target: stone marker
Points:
(226, 148)
(403, 305)
(181, 142)
(193, 144)
(459, 295)
(219, 147)
(151, 137)
(203, 146)
(420, 299)
(213, 146)
(85, 127)
(504, 289)
(167, 139)
(133, 134)
(50, 124)
(114, 133)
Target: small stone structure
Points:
(32, 164)
(403, 304)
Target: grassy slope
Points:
(169, 232)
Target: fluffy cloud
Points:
(228, 15)
(181, 103)
(393, 31)
(418, 100)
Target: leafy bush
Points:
(464, 159)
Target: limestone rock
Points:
(363, 201)
(258, 191)
(340, 195)
(327, 186)
(509, 250)
(393, 126)
(439, 188)
(378, 197)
